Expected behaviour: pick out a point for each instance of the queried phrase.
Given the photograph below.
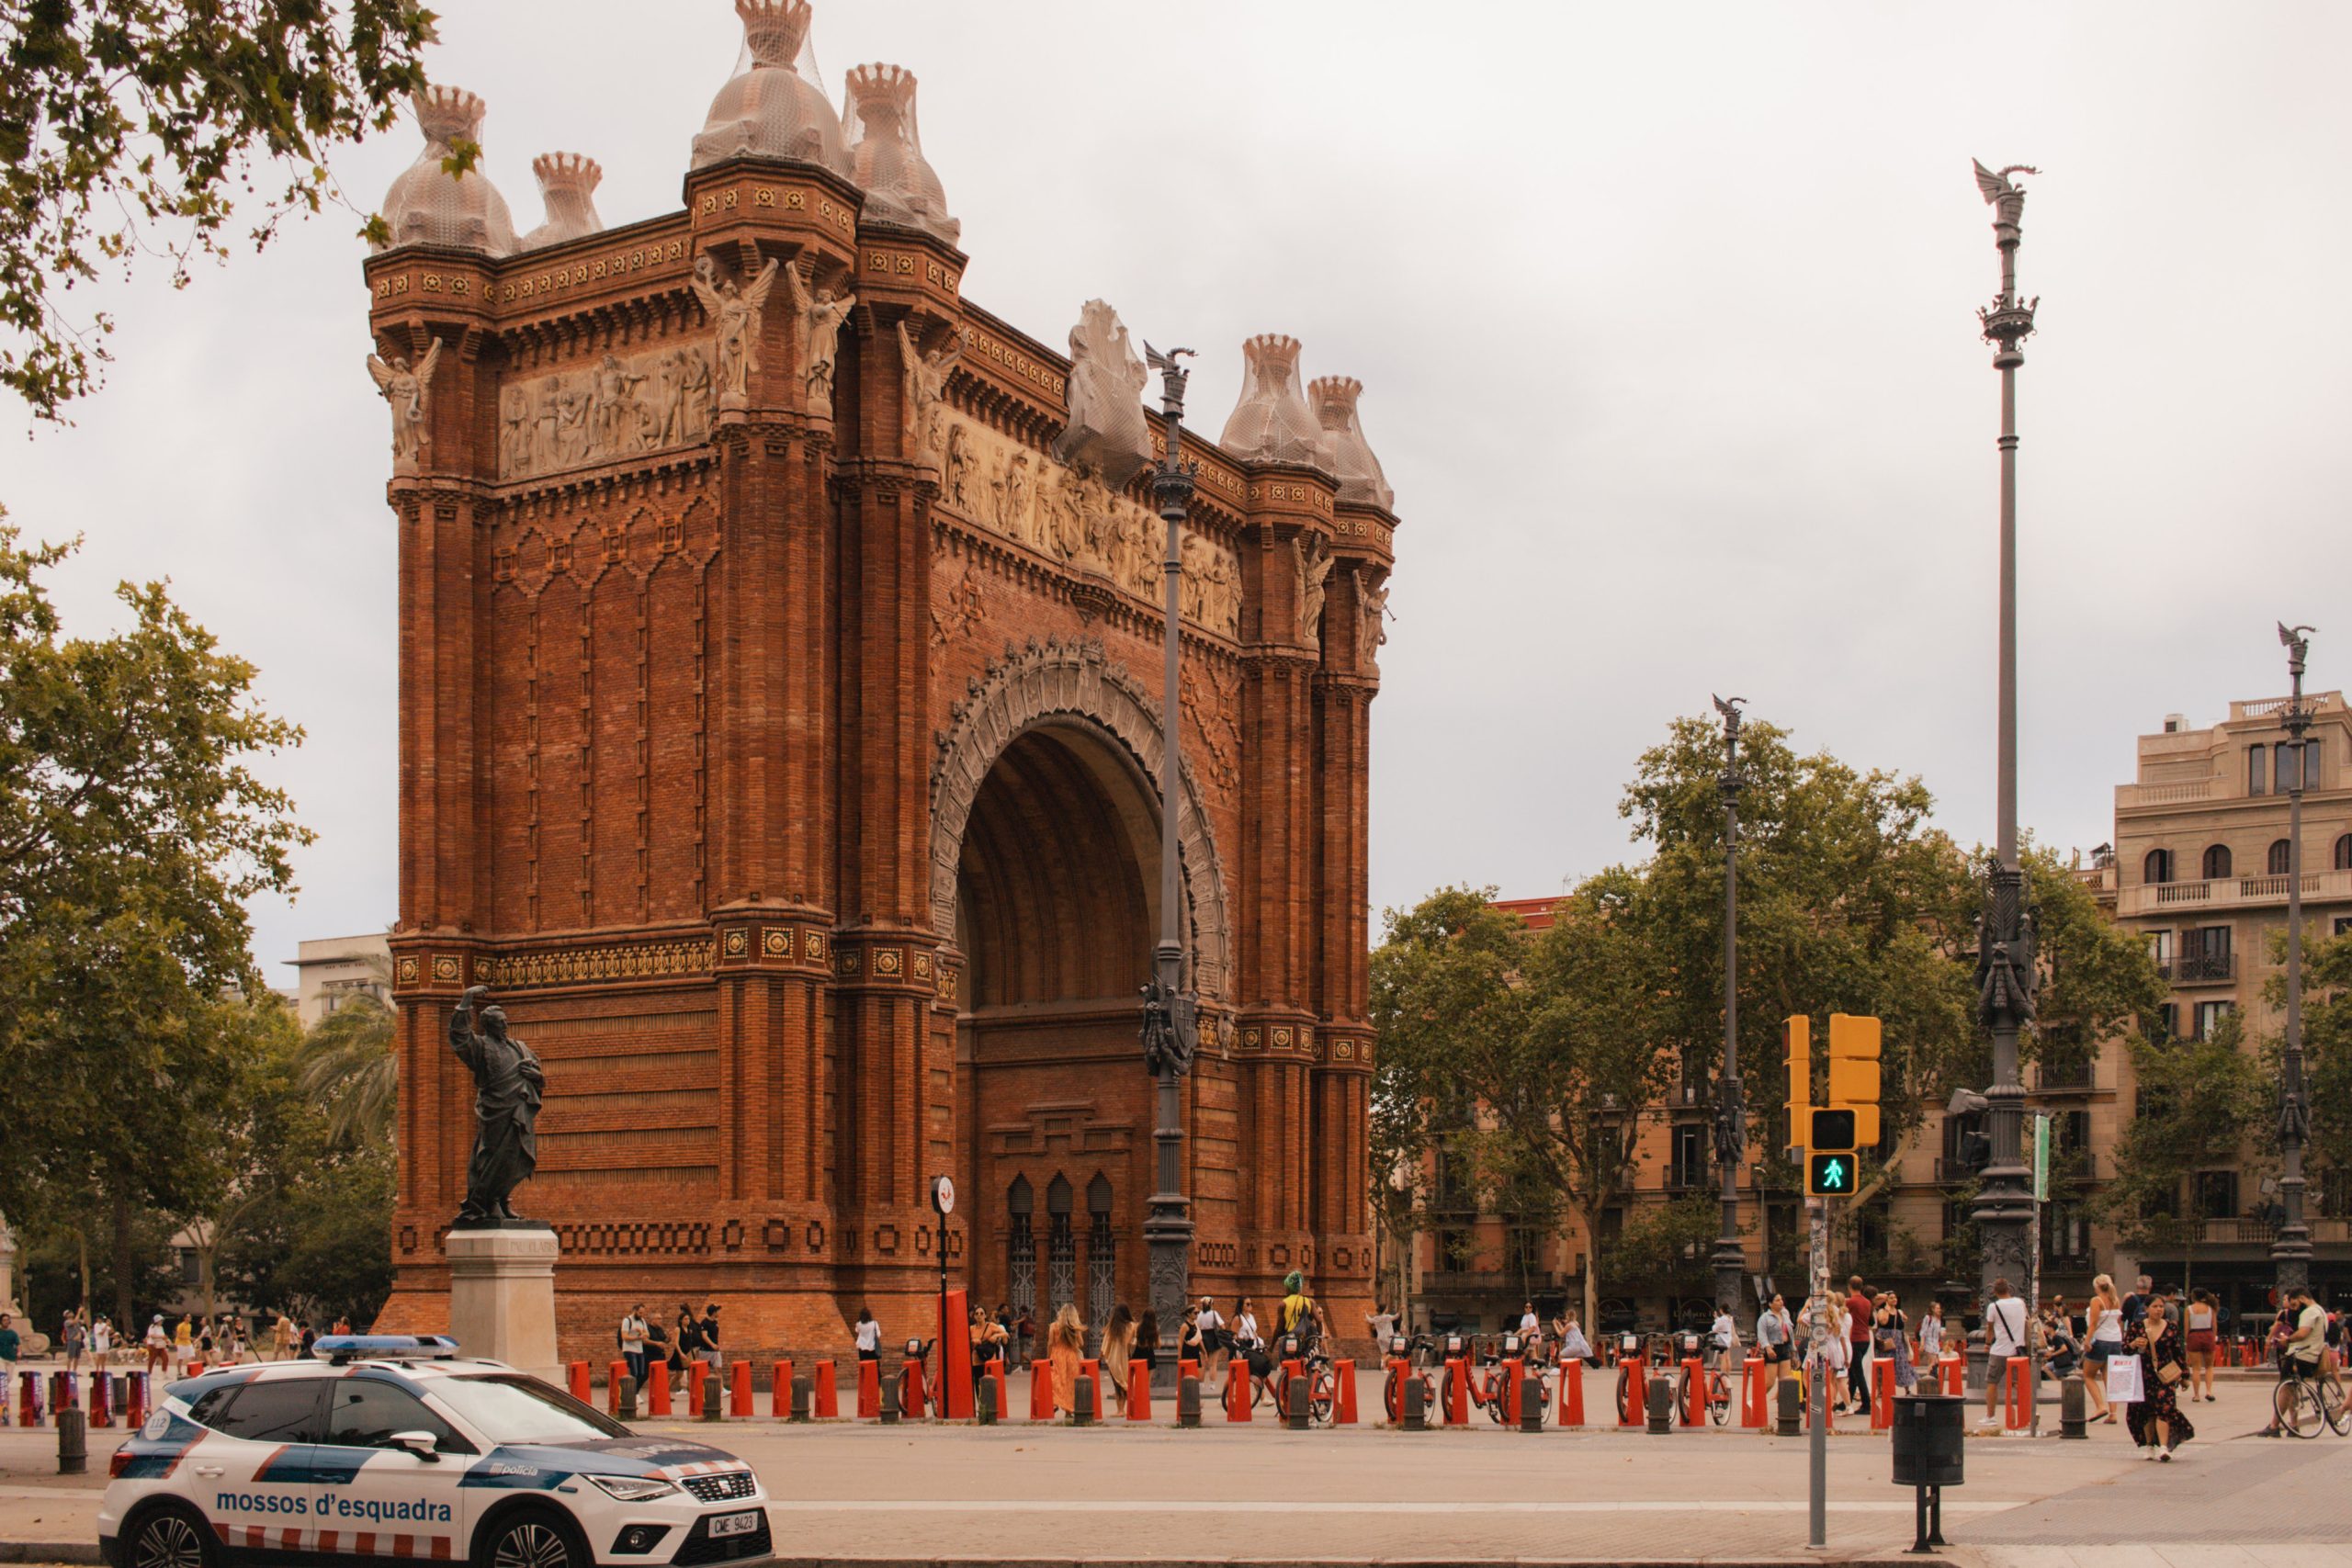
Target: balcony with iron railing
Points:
(2205, 969)
(2230, 893)
(2242, 1231)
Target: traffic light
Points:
(1832, 1133)
(1853, 1073)
(1799, 1029)
(1829, 1176)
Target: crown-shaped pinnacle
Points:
(1272, 354)
(445, 114)
(881, 89)
(774, 30)
(567, 172)
(1335, 400)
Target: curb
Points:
(77, 1551)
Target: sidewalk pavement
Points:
(868, 1495)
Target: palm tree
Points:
(348, 1069)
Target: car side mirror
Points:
(424, 1445)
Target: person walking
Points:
(159, 1346)
(1841, 1378)
(2201, 1326)
(2156, 1422)
(1774, 1334)
(2004, 1322)
(1382, 1325)
(1118, 1348)
(685, 1343)
(869, 1337)
(1147, 1340)
(1188, 1341)
(1065, 1350)
(2103, 1315)
(632, 1339)
(102, 1342)
(12, 1346)
(1931, 1337)
(1215, 1345)
(1891, 1341)
(712, 1355)
(1859, 1308)
(184, 1342)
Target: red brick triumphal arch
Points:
(780, 645)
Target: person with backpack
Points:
(631, 1338)
(2005, 1336)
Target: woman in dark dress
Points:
(2156, 1423)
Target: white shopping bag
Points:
(2124, 1385)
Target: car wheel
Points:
(169, 1535)
(529, 1537)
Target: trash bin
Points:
(1931, 1432)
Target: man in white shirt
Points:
(1382, 1325)
(2004, 1337)
(633, 1342)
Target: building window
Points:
(2287, 775)
(2313, 777)
(2256, 756)
(2206, 953)
(2217, 1194)
(1690, 1154)
(2217, 862)
(2160, 949)
(2161, 1028)
(2335, 1193)
(1523, 1252)
(1021, 1246)
(2066, 1234)
(2274, 862)
(2343, 924)
(1101, 1253)
(1061, 1249)
(2157, 867)
(2208, 1018)
(2344, 852)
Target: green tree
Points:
(2327, 1049)
(349, 1071)
(131, 128)
(133, 829)
(2199, 1099)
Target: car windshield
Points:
(508, 1407)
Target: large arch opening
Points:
(1055, 900)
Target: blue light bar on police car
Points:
(387, 1346)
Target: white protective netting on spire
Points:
(775, 104)
(885, 139)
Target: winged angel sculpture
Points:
(409, 391)
(1997, 189)
(736, 312)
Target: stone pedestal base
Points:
(502, 1297)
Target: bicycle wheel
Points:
(2298, 1407)
(1321, 1392)
(1719, 1399)
(1395, 1399)
(2336, 1402)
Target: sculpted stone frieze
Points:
(992, 482)
(650, 402)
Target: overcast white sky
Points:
(1666, 315)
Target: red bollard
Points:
(1187, 1368)
(1343, 1394)
(780, 1390)
(577, 1376)
(913, 1405)
(1572, 1393)
(1694, 1392)
(1138, 1391)
(134, 1400)
(101, 1400)
(29, 1408)
(1882, 1394)
(1236, 1389)
(657, 1389)
(869, 1389)
(738, 1379)
(1092, 1368)
(2020, 1392)
(613, 1375)
(1510, 1376)
(1753, 1386)
(824, 1394)
(1041, 1390)
(697, 1374)
(1951, 1368)
(1457, 1394)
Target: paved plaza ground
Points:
(868, 1493)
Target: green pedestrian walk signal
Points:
(1829, 1176)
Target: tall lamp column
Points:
(1731, 1119)
(1170, 1028)
(2290, 1253)
(2006, 974)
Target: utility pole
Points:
(1170, 1027)
(1817, 1378)
(2291, 1252)
(2005, 938)
(1731, 1120)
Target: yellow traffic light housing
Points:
(1799, 1031)
(1854, 1045)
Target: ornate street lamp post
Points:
(1170, 1028)
(1731, 1121)
(2290, 1253)
(2005, 978)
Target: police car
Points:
(396, 1446)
